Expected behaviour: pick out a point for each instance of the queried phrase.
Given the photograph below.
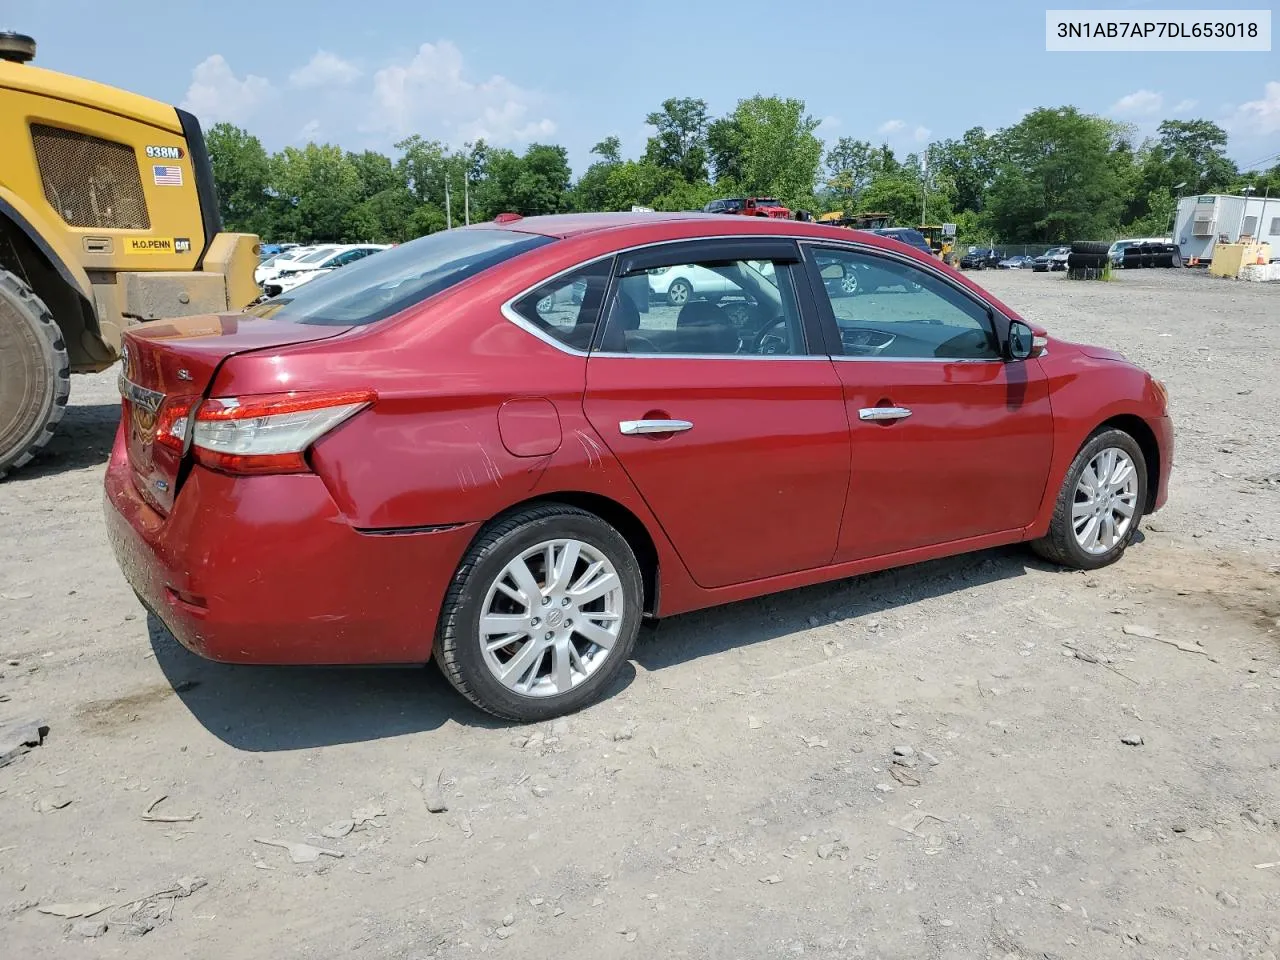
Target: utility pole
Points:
(448, 212)
(924, 185)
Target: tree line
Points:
(1056, 175)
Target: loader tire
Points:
(35, 373)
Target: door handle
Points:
(883, 413)
(632, 428)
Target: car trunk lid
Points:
(166, 370)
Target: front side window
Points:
(566, 309)
(378, 287)
(889, 309)
(719, 308)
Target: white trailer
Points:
(1202, 222)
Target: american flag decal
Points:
(167, 176)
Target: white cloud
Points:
(891, 126)
(829, 123)
(216, 94)
(324, 69)
(1185, 106)
(308, 131)
(431, 95)
(1259, 117)
(1137, 104)
(921, 134)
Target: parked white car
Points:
(320, 261)
(288, 259)
(679, 285)
(288, 281)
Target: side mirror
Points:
(833, 271)
(1023, 342)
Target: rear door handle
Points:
(883, 413)
(632, 428)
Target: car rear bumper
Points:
(266, 570)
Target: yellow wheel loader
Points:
(108, 217)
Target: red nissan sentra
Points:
(503, 445)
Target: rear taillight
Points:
(173, 422)
(269, 433)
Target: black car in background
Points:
(912, 238)
(981, 260)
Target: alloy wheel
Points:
(551, 618)
(1106, 497)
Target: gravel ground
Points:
(737, 796)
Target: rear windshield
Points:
(374, 288)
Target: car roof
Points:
(572, 224)
(685, 226)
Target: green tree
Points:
(1194, 151)
(242, 175)
(969, 163)
(849, 170)
(680, 143)
(533, 184)
(1060, 175)
(318, 185)
(726, 142)
(423, 165)
(780, 153)
(609, 150)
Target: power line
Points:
(1257, 164)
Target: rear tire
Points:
(35, 373)
(460, 647)
(1061, 545)
(680, 292)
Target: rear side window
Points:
(375, 288)
(567, 308)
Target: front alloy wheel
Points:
(1105, 497)
(542, 614)
(1099, 505)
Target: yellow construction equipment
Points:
(941, 238)
(108, 217)
(858, 221)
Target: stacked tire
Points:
(1087, 260)
(1152, 255)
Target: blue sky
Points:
(366, 74)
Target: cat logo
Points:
(150, 245)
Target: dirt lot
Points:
(735, 796)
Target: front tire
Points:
(35, 373)
(1100, 504)
(542, 615)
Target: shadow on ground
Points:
(82, 439)
(263, 709)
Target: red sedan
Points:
(491, 445)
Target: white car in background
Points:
(679, 285)
(319, 262)
(272, 266)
